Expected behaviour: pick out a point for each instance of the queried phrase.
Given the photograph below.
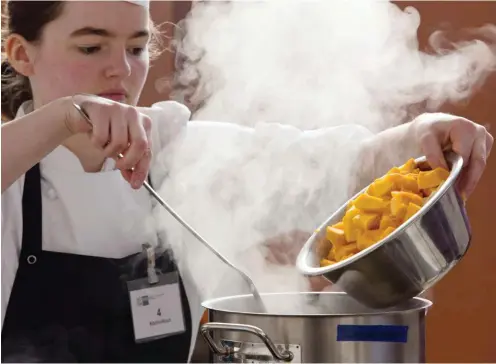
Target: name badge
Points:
(156, 307)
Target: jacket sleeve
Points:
(11, 238)
(169, 119)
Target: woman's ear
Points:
(19, 54)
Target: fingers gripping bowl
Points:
(403, 262)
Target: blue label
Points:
(377, 333)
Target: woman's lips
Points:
(119, 97)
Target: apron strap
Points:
(31, 216)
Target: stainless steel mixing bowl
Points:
(406, 263)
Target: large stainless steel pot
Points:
(320, 327)
(406, 263)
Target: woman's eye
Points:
(89, 50)
(136, 51)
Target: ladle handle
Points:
(206, 329)
(164, 204)
(178, 218)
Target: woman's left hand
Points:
(436, 131)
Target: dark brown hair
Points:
(28, 18)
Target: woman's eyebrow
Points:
(105, 33)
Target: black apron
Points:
(75, 308)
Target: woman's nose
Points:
(119, 65)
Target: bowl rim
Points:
(301, 261)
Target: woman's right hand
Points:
(115, 129)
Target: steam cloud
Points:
(352, 65)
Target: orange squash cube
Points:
(387, 221)
(432, 179)
(408, 183)
(377, 213)
(326, 262)
(342, 251)
(411, 210)
(349, 229)
(407, 197)
(394, 170)
(381, 187)
(387, 232)
(366, 221)
(335, 236)
(408, 167)
(398, 208)
(364, 241)
(370, 203)
(368, 238)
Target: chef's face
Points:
(93, 47)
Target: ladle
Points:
(178, 218)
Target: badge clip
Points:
(151, 272)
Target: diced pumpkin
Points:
(367, 221)
(398, 208)
(387, 221)
(367, 238)
(370, 203)
(352, 234)
(408, 167)
(375, 234)
(407, 197)
(347, 256)
(349, 229)
(387, 232)
(326, 262)
(382, 186)
(404, 182)
(332, 253)
(335, 236)
(432, 179)
(387, 203)
(428, 191)
(364, 241)
(342, 251)
(411, 210)
(371, 190)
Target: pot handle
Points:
(205, 329)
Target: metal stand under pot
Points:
(320, 327)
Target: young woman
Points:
(74, 284)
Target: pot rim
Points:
(423, 305)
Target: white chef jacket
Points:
(94, 214)
(98, 214)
